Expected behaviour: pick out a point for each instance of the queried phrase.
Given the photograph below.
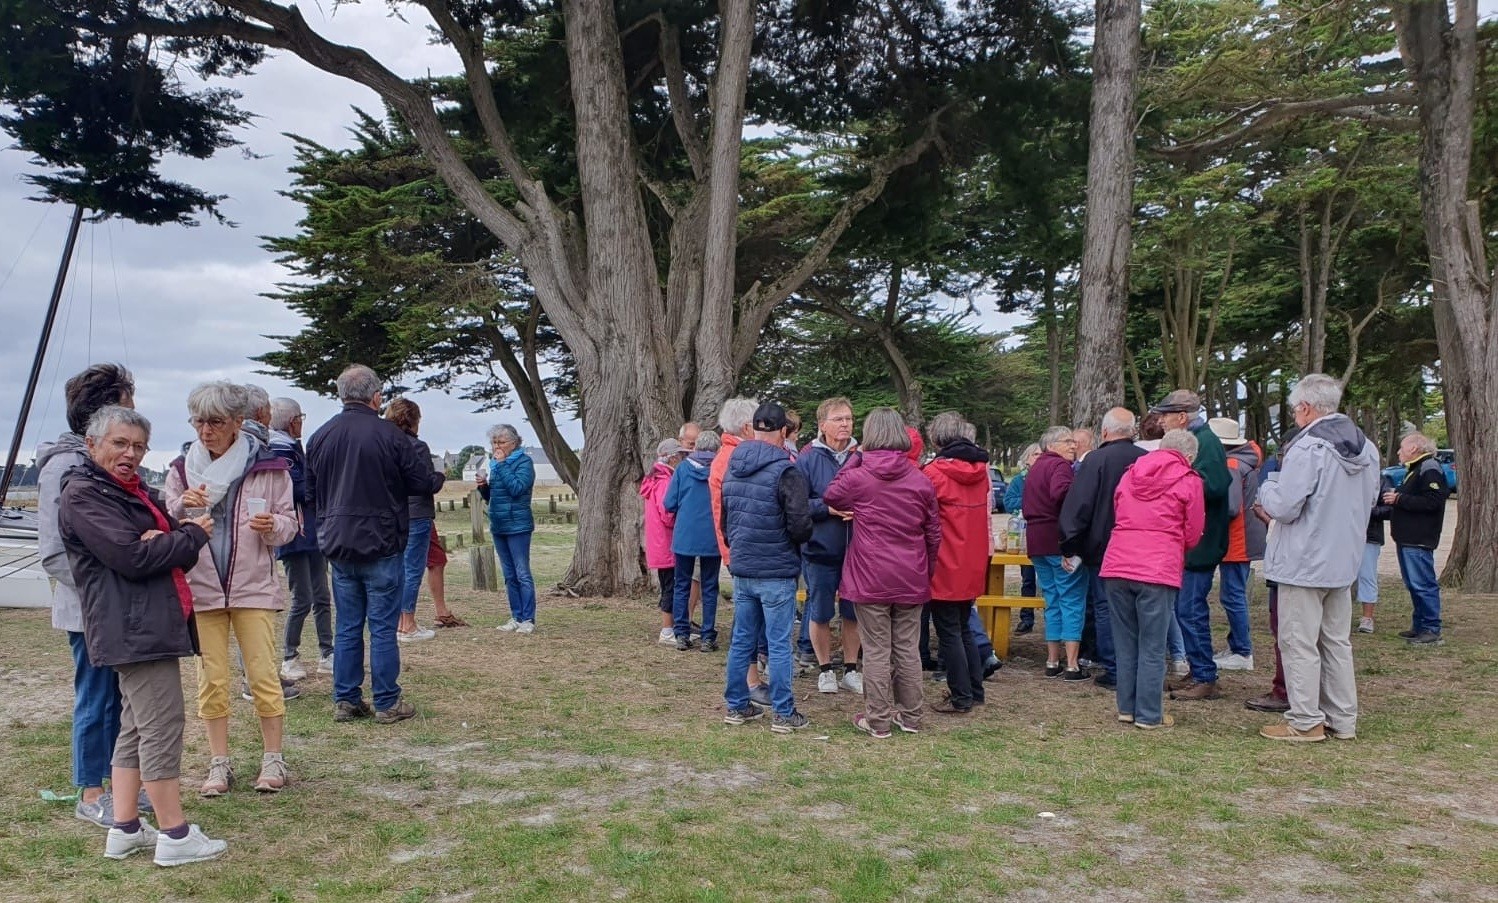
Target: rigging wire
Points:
(93, 239)
(47, 209)
(119, 306)
(67, 322)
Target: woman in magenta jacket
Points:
(1062, 582)
(888, 567)
(1158, 515)
(659, 524)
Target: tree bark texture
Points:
(1098, 382)
(1441, 52)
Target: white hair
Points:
(1182, 441)
(503, 432)
(111, 416)
(736, 414)
(707, 440)
(282, 412)
(358, 383)
(1320, 392)
(257, 400)
(1054, 435)
(1420, 442)
(220, 398)
(946, 428)
(1119, 422)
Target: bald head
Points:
(1118, 423)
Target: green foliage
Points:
(456, 471)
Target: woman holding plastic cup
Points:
(246, 489)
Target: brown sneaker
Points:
(1180, 683)
(398, 712)
(348, 711)
(1284, 730)
(1267, 703)
(274, 775)
(1198, 691)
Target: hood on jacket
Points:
(1344, 437)
(67, 443)
(967, 453)
(658, 474)
(753, 455)
(1158, 471)
(702, 458)
(887, 464)
(841, 457)
(1248, 454)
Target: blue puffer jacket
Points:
(829, 536)
(508, 493)
(291, 451)
(689, 499)
(765, 512)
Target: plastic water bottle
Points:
(1015, 532)
(1024, 544)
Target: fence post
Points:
(481, 562)
(475, 505)
(551, 502)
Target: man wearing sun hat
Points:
(1181, 410)
(1244, 545)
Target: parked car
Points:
(1447, 459)
(999, 485)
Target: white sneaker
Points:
(195, 847)
(415, 636)
(510, 626)
(1232, 661)
(667, 637)
(853, 680)
(826, 682)
(292, 669)
(1365, 625)
(526, 627)
(1181, 667)
(119, 845)
(325, 664)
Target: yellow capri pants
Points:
(255, 628)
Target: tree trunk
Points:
(1442, 57)
(1098, 381)
(1052, 343)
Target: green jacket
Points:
(1212, 464)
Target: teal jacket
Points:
(1212, 465)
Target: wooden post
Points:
(465, 501)
(481, 562)
(443, 541)
(551, 503)
(480, 517)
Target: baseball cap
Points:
(769, 417)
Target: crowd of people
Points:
(1124, 541)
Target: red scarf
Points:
(184, 594)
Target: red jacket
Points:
(715, 475)
(1046, 486)
(1158, 513)
(963, 494)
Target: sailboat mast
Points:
(41, 352)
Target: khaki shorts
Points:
(151, 719)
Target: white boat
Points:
(23, 583)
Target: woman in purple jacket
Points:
(1062, 582)
(887, 569)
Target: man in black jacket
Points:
(360, 469)
(1087, 522)
(1418, 509)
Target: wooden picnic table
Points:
(994, 606)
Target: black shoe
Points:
(1106, 682)
(991, 666)
(683, 644)
(1024, 628)
(1408, 634)
(1074, 676)
(1055, 670)
(708, 646)
(1426, 638)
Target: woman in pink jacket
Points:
(1159, 514)
(239, 482)
(888, 567)
(659, 525)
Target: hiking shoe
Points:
(1180, 667)
(325, 664)
(526, 627)
(119, 845)
(398, 712)
(1165, 721)
(1408, 634)
(667, 637)
(708, 646)
(195, 847)
(1207, 690)
(1365, 625)
(1284, 730)
(990, 665)
(683, 644)
(348, 711)
(853, 681)
(99, 812)
(760, 695)
(292, 669)
(1426, 638)
(750, 712)
(1267, 703)
(861, 722)
(1180, 683)
(784, 724)
(220, 778)
(1073, 675)
(274, 775)
(415, 635)
(1232, 661)
(1055, 670)
(899, 722)
(826, 682)
(509, 626)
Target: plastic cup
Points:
(256, 506)
(194, 513)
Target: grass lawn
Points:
(587, 762)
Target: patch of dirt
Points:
(30, 697)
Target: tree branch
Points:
(682, 113)
(1272, 112)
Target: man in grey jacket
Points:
(1318, 503)
(96, 693)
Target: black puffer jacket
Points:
(131, 610)
(1419, 510)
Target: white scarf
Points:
(218, 475)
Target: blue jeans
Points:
(761, 605)
(515, 561)
(1418, 568)
(1097, 598)
(1368, 574)
(414, 562)
(1027, 589)
(1065, 598)
(367, 591)
(1195, 619)
(1234, 595)
(1176, 643)
(980, 636)
(1141, 622)
(96, 716)
(681, 597)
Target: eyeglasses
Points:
(122, 445)
(847, 418)
(216, 423)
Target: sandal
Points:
(449, 620)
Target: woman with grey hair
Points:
(1062, 582)
(242, 484)
(127, 554)
(507, 486)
